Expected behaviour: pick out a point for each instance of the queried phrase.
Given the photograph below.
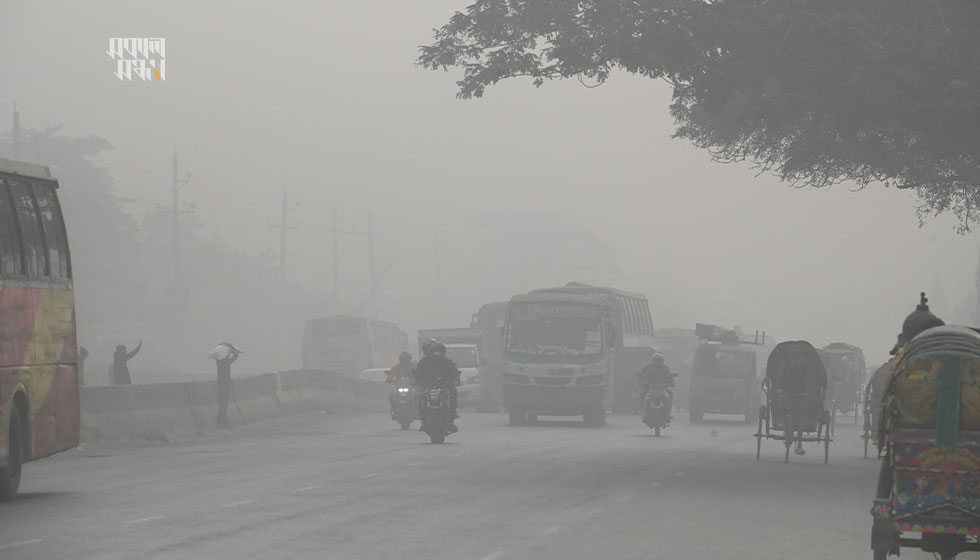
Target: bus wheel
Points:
(10, 475)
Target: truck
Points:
(465, 347)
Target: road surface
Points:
(356, 487)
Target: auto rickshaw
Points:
(795, 388)
(929, 482)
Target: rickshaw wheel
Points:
(763, 416)
(789, 433)
(826, 448)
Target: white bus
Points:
(349, 345)
(559, 352)
(631, 311)
(633, 325)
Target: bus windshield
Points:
(713, 361)
(554, 329)
(462, 356)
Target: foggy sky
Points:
(323, 98)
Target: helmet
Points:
(427, 346)
(404, 358)
(438, 348)
(919, 320)
(657, 358)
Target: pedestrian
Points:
(82, 354)
(120, 371)
(224, 355)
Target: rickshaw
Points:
(794, 412)
(929, 482)
(872, 404)
(845, 368)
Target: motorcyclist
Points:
(655, 374)
(434, 371)
(403, 370)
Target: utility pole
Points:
(438, 256)
(16, 133)
(283, 228)
(370, 307)
(371, 272)
(176, 184)
(336, 257)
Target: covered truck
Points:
(466, 347)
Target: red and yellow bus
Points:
(39, 390)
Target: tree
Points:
(816, 91)
(104, 250)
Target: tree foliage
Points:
(817, 91)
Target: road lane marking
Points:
(654, 485)
(698, 464)
(595, 511)
(551, 530)
(495, 555)
(626, 498)
(679, 473)
(419, 464)
(459, 454)
(308, 488)
(369, 475)
(236, 504)
(20, 544)
(142, 520)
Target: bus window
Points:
(645, 313)
(631, 326)
(30, 229)
(10, 259)
(54, 230)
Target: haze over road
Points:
(355, 487)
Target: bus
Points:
(632, 320)
(631, 311)
(558, 356)
(39, 388)
(349, 345)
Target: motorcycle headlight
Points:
(403, 389)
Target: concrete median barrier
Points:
(164, 411)
(255, 397)
(329, 390)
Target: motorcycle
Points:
(657, 406)
(403, 403)
(435, 413)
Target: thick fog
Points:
(471, 201)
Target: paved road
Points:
(355, 487)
